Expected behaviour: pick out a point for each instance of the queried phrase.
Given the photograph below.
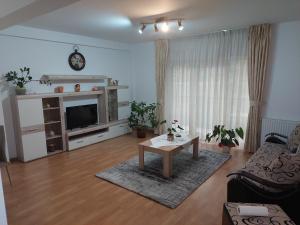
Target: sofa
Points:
(271, 175)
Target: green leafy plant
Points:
(226, 137)
(143, 115)
(138, 115)
(19, 79)
(152, 115)
(173, 128)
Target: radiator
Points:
(284, 127)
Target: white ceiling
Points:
(119, 19)
(8, 6)
(13, 12)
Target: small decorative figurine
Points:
(77, 87)
(59, 89)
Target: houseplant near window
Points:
(152, 116)
(228, 138)
(19, 79)
(138, 118)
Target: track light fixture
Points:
(141, 30)
(165, 27)
(155, 27)
(180, 26)
(161, 24)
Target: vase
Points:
(156, 131)
(141, 133)
(170, 137)
(20, 91)
(226, 149)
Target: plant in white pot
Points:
(172, 129)
(19, 79)
(228, 138)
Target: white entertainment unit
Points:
(41, 127)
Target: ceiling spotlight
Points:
(155, 27)
(165, 27)
(142, 28)
(225, 30)
(180, 26)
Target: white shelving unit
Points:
(42, 128)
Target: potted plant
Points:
(138, 118)
(228, 138)
(172, 129)
(152, 117)
(19, 79)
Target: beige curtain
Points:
(161, 58)
(258, 52)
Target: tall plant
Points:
(138, 115)
(152, 115)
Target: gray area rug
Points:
(188, 175)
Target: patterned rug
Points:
(188, 175)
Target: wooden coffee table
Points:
(167, 151)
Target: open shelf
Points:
(73, 78)
(55, 152)
(53, 137)
(117, 87)
(56, 95)
(52, 122)
(51, 108)
(86, 130)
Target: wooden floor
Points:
(63, 190)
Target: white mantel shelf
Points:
(73, 78)
(65, 94)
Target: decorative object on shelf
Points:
(19, 79)
(48, 105)
(228, 138)
(76, 59)
(51, 147)
(172, 129)
(51, 133)
(59, 89)
(115, 82)
(110, 82)
(95, 88)
(77, 88)
(161, 24)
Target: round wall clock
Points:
(76, 60)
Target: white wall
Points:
(143, 70)
(47, 52)
(283, 82)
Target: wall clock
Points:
(76, 60)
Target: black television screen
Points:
(81, 116)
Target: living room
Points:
(137, 112)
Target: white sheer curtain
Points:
(207, 82)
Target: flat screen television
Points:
(81, 116)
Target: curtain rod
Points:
(62, 42)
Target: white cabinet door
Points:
(118, 130)
(34, 145)
(31, 112)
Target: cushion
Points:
(294, 139)
(298, 150)
(285, 169)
